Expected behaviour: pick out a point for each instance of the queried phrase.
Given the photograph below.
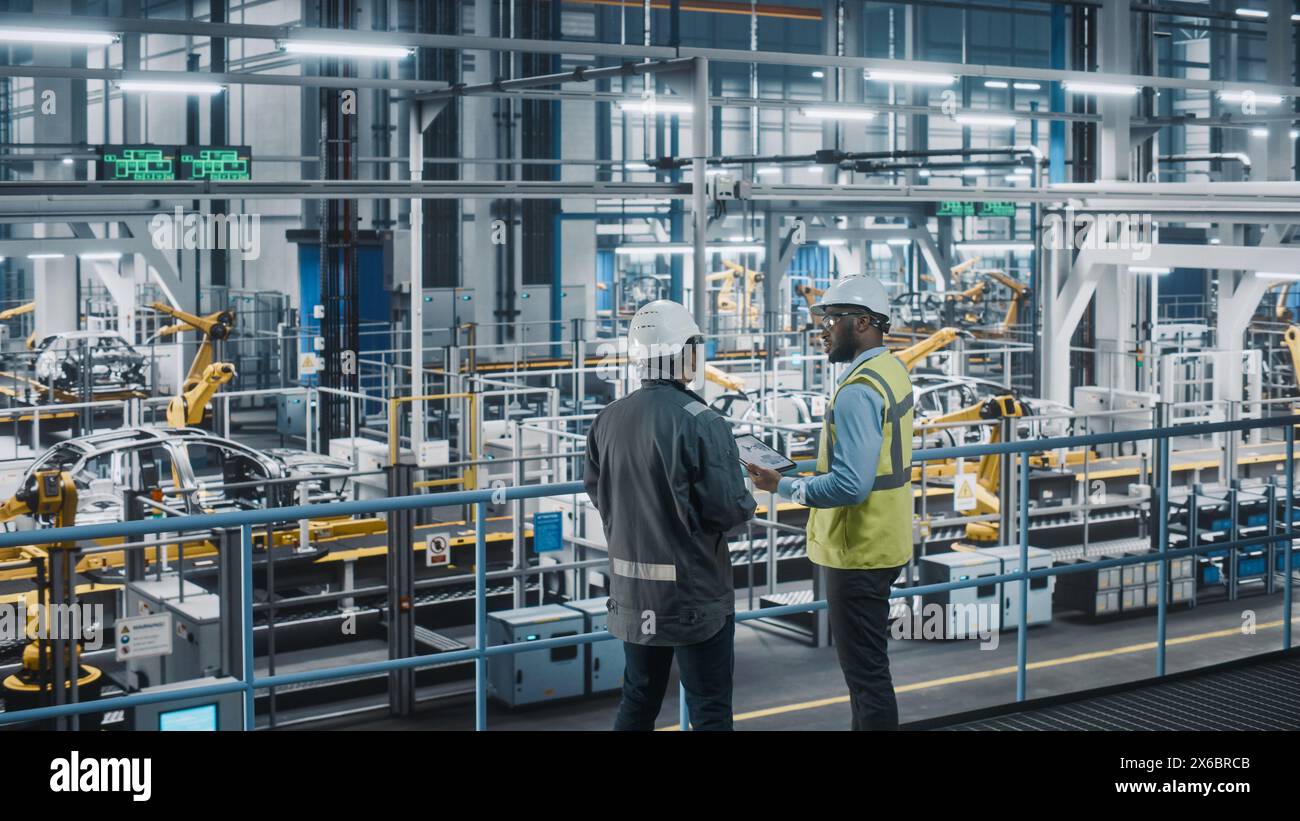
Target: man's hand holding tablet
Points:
(763, 464)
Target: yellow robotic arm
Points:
(53, 494)
(188, 408)
(939, 339)
(17, 311)
(720, 377)
(987, 475)
(1018, 291)
(214, 327)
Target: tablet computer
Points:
(754, 452)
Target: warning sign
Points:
(963, 493)
(143, 636)
(308, 363)
(437, 550)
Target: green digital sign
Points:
(957, 208)
(219, 163)
(136, 163)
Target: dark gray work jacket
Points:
(665, 474)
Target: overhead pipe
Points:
(581, 74)
(845, 159)
(1221, 156)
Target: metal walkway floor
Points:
(1261, 694)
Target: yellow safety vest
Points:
(878, 532)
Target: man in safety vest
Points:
(860, 517)
(664, 472)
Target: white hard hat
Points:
(860, 292)
(658, 340)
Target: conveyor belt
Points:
(1253, 694)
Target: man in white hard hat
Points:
(860, 517)
(664, 472)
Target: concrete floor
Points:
(782, 684)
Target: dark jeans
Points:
(706, 670)
(858, 601)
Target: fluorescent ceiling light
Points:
(814, 169)
(898, 241)
(994, 120)
(826, 243)
(174, 88)
(837, 113)
(817, 75)
(346, 50)
(738, 238)
(994, 247)
(1215, 240)
(924, 172)
(885, 76)
(1259, 132)
(995, 83)
(1016, 178)
(974, 172)
(67, 161)
(1140, 269)
(1022, 171)
(654, 106)
(768, 170)
(685, 248)
(636, 166)
(1102, 89)
(1027, 86)
(1260, 14)
(79, 38)
(1242, 96)
(1276, 275)
(101, 255)
(54, 255)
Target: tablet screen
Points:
(754, 452)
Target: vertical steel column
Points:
(480, 616)
(401, 591)
(700, 143)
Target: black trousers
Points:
(858, 604)
(706, 668)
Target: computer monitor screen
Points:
(201, 718)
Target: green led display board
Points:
(136, 163)
(219, 163)
(957, 208)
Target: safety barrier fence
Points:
(481, 653)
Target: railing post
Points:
(1290, 537)
(246, 571)
(480, 616)
(1022, 631)
(401, 591)
(684, 723)
(1162, 535)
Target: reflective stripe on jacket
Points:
(664, 472)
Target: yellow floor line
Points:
(1000, 671)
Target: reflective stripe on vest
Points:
(644, 570)
(877, 532)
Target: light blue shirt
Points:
(856, 451)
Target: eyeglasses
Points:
(828, 320)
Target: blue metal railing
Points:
(480, 654)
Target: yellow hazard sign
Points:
(964, 492)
